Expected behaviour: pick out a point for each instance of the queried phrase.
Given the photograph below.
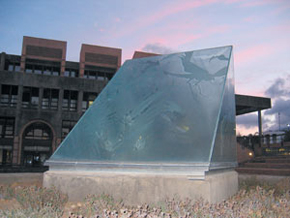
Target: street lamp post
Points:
(279, 120)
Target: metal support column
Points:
(260, 127)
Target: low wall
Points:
(260, 178)
(24, 179)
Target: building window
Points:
(30, 97)
(6, 127)
(99, 73)
(89, 74)
(12, 66)
(38, 69)
(42, 67)
(5, 154)
(88, 99)
(71, 72)
(109, 76)
(8, 96)
(55, 71)
(67, 126)
(29, 68)
(37, 131)
(6, 139)
(70, 100)
(37, 144)
(50, 99)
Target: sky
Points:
(259, 31)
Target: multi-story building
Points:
(42, 96)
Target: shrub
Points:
(95, 205)
(34, 200)
(6, 192)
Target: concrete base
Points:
(137, 188)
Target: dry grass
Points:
(31, 201)
(253, 200)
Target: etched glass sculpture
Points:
(169, 110)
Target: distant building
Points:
(273, 137)
(42, 96)
(141, 54)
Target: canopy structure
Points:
(168, 112)
(247, 104)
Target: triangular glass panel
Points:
(171, 109)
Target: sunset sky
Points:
(259, 30)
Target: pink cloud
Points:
(251, 19)
(164, 35)
(180, 26)
(279, 42)
(253, 53)
(246, 87)
(282, 28)
(180, 37)
(174, 40)
(232, 1)
(240, 129)
(281, 9)
(117, 19)
(217, 29)
(177, 8)
(255, 3)
(161, 14)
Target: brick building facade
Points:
(42, 96)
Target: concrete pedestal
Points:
(137, 188)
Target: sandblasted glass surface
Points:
(224, 149)
(162, 109)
